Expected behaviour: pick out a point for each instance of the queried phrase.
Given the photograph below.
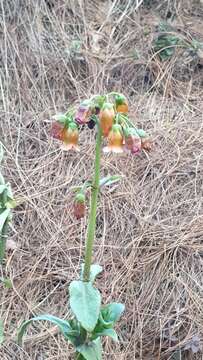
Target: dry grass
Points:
(150, 229)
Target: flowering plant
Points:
(90, 319)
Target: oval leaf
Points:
(106, 332)
(63, 325)
(3, 217)
(91, 351)
(85, 302)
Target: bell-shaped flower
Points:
(147, 144)
(106, 117)
(70, 137)
(132, 141)
(56, 130)
(84, 112)
(115, 140)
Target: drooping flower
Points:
(132, 141)
(115, 140)
(121, 104)
(106, 116)
(79, 206)
(84, 112)
(70, 137)
(147, 144)
(56, 130)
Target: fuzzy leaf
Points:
(85, 303)
(63, 325)
(109, 180)
(111, 313)
(92, 350)
(94, 271)
(3, 217)
(106, 332)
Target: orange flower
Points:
(79, 206)
(70, 137)
(115, 140)
(106, 117)
(121, 104)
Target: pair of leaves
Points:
(108, 316)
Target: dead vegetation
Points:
(150, 230)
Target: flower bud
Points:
(79, 206)
(121, 104)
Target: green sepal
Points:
(63, 325)
(141, 133)
(94, 271)
(80, 198)
(85, 302)
(120, 99)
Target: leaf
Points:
(63, 325)
(111, 313)
(3, 217)
(7, 283)
(2, 188)
(85, 302)
(106, 332)
(1, 332)
(91, 351)
(109, 180)
(94, 271)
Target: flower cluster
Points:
(113, 119)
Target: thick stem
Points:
(3, 237)
(93, 208)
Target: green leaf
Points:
(105, 332)
(63, 325)
(91, 351)
(3, 217)
(7, 283)
(109, 180)
(1, 332)
(85, 302)
(3, 187)
(111, 313)
(94, 271)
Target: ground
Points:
(149, 236)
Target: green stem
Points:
(3, 237)
(93, 208)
